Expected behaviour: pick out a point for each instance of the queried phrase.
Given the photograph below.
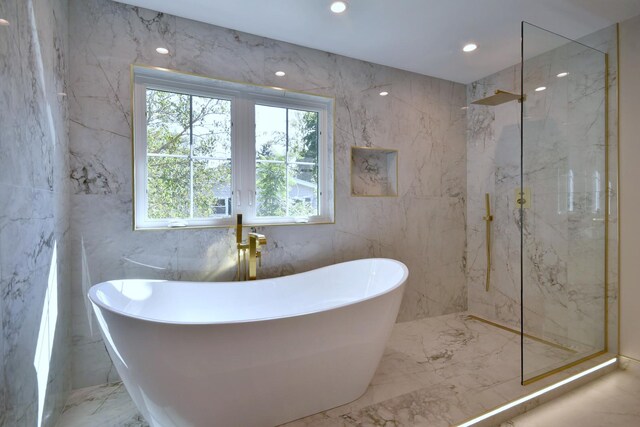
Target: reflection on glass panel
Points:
(211, 127)
(271, 132)
(302, 190)
(303, 136)
(271, 186)
(168, 187)
(596, 192)
(167, 122)
(211, 188)
(563, 229)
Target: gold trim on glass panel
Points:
(388, 150)
(619, 290)
(133, 66)
(541, 340)
(506, 328)
(607, 202)
(563, 368)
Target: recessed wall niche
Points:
(374, 172)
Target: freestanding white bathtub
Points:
(250, 353)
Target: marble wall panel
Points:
(421, 118)
(34, 216)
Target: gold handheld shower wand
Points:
(488, 219)
(242, 247)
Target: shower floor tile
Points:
(435, 372)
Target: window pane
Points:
(167, 122)
(303, 190)
(271, 132)
(184, 171)
(303, 136)
(271, 189)
(211, 127)
(211, 188)
(168, 187)
(223, 207)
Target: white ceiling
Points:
(424, 36)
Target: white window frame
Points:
(243, 99)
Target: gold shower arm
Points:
(488, 219)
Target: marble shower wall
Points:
(422, 118)
(564, 250)
(34, 215)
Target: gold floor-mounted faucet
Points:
(248, 267)
(255, 253)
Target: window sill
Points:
(266, 222)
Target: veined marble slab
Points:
(424, 226)
(34, 214)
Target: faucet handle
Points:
(260, 238)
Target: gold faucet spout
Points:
(261, 238)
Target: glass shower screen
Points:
(564, 219)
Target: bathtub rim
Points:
(95, 301)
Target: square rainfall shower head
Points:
(500, 97)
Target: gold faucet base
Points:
(255, 254)
(248, 263)
(242, 272)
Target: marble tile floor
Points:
(611, 400)
(437, 371)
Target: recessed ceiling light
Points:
(541, 88)
(162, 50)
(464, 108)
(338, 6)
(564, 73)
(470, 47)
(280, 73)
(4, 22)
(384, 93)
(62, 94)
